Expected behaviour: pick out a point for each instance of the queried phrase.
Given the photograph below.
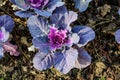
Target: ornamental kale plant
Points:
(39, 7)
(60, 45)
(82, 5)
(6, 26)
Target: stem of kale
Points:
(101, 23)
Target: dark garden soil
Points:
(101, 15)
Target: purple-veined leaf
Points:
(42, 61)
(37, 26)
(84, 59)
(24, 14)
(8, 47)
(82, 5)
(41, 43)
(117, 36)
(7, 22)
(85, 33)
(64, 62)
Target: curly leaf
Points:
(8, 47)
